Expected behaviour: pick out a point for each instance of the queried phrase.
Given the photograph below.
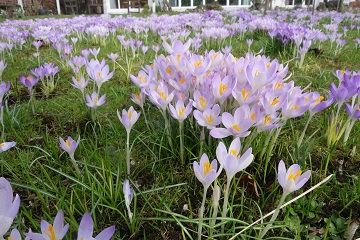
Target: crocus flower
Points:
(3, 89)
(206, 172)
(86, 229)
(94, 101)
(29, 81)
(69, 145)
(49, 231)
(9, 206)
(14, 235)
(209, 118)
(128, 118)
(353, 112)
(138, 98)
(180, 112)
(128, 196)
(231, 160)
(6, 145)
(80, 83)
(292, 179)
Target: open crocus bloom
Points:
(6, 145)
(69, 145)
(49, 231)
(8, 206)
(206, 172)
(86, 228)
(292, 179)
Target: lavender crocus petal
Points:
(15, 234)
(34, 236)
(59, 222)
(221, 152)
(302, 179)
(245, 160)
(235, 145)
(293, 169)
(63, 231)
(230, 166)
(14, 208)
(289, 186)
(281, 173)
(220, 133)
(106, 234)
(5, 224)
(86, 227)
(210, 177)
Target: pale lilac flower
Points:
(14, 235)
(180, 112)
(80, 83)
(86, 229)
(231, 160)
(69, 145)
(209, 117)
(128, 118)
(94, 101)
(85, 53)
(292, 179)
(206, 172)
(6, 145)
(138, 98)
(94, 52)
(113, 56)
(4, 89)
(9, 206)
(237, 125)
(203, 99)
(29, 81)
(128, 196)
(49, 231)
(222, 88)
(353, 112)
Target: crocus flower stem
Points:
(75, 164)
(348, 130)
(201, 213)
(167, 128)
(146, 121)
(181, 133)
(270, 149)
(266, 144)
(202, 139)
(303, 133)
(32, 101)
(226, 201)
(93, 114)
(128, 152)
(213, 221)
(274, 216)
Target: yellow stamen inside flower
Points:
(207, 168)
(278, 85)
(138, 97)
(2, 144)
(202, 101)
(182, 80)
(223, 88)
(295, 108)
(50, 233)
(198, 64)
(256, 73)
(245, 94)
(268, 65)
(178, 57)
(181, 111)
(233, 152)
(129, 114)
(163, 95)
(209, 119)
(236, 127)
(342, 72)
(96, 100)
(168, 71)
(68, 143)
(79, 79)
(241, 70)
(141, 79)
(182, 96)
(267, 120)
(306, 99)
(294, 177)
(99, 74)
(319, 99)
(252, 116)
(274, 102)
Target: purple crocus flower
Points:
(94, 101)
(353, 112)
(86, 229)
(203, 99)
(9, 206)
(6, 145)
(291, 179)
(29, 81)
(206, 172)
(100, 75)
(237, 125)
(4, 89)
(209, 117)
(69, 145)
(94, 52)
(49, 231)
(85, 53)
(14, 235)
(128, 118)
(180, 112)
(113, 56)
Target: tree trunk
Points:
(340, 5)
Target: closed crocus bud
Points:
(292, 179)
(216, 196)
